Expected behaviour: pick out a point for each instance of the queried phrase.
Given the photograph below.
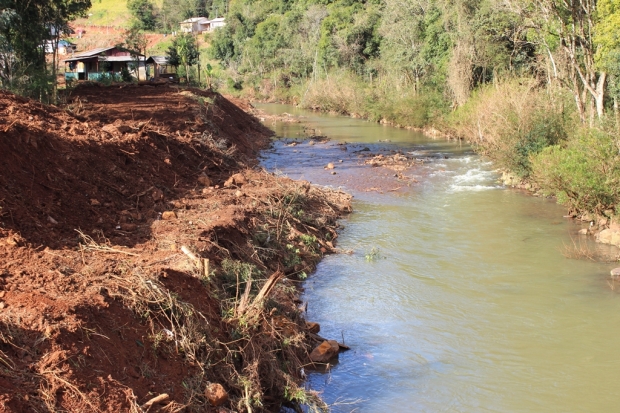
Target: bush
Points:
(585, 173)
(512, 121)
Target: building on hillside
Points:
(193, 25)
(201, 24)
(105, 62)
(64, 47)
(158, 67)
(216, 23)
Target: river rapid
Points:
(457, 297)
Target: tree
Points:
(24, 29)
(135, 41)
(184, 51)
(143, 12)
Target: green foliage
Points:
(143, 12)
(184, 51)
(512, 121)
(125, 74)
(585, 173)
(24, 27)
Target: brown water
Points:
(470, 306)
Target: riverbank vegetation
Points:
(530, 84)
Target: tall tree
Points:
(184, 51)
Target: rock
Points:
(604, 236)
(236, 179)
(615, 272)
(313, 327)
(123, 129)
(204, 180)
(2, 305)
(330, 166)
(129, 227)
(168, 215)
(95, 202)
(602, 222)
(614, 225)
(238, 193)
(52, 220)
(325, 351)
(157, 194)
(583, 231)
(333, 172)
(111, 129)
(615, 238)
(586, 217)
(216, 394)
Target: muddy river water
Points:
(457, 297)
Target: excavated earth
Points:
(145, 258)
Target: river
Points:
(457, 297)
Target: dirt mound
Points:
(100, 308)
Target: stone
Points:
(313, 327)
(615, 272)
(216, 394)
(333, 172)
(614, 225)
(615, 238)
(325, 351)
(204, 180)
(604, 236)
(168, 215)
(330, 166)
(236, 179)
(238, 193)
(95, 202)
(2, 305)
(586, 217)
(129, 227)
(52, 220)
(602, 222)
(583, 231)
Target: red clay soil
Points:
(96, 200)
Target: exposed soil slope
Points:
(100, 310)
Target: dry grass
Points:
(582, 249)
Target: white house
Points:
(211, 25)
(193, 25)
(201, 24)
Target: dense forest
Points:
(533, 84)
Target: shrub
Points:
(584, 174)
(512, 121)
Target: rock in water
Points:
(313, 327)
(325, 351)
(615, 272)
(216, 394)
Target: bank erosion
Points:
(146, 262)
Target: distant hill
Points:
(109, 13)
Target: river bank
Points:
(146, 263)
(455, 291)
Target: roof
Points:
(159, 60)
(194, 20)
(219, 19)
(96, 52)
(120, 58)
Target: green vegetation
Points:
(513, 77)
(25, 28)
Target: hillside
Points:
(129, 222)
